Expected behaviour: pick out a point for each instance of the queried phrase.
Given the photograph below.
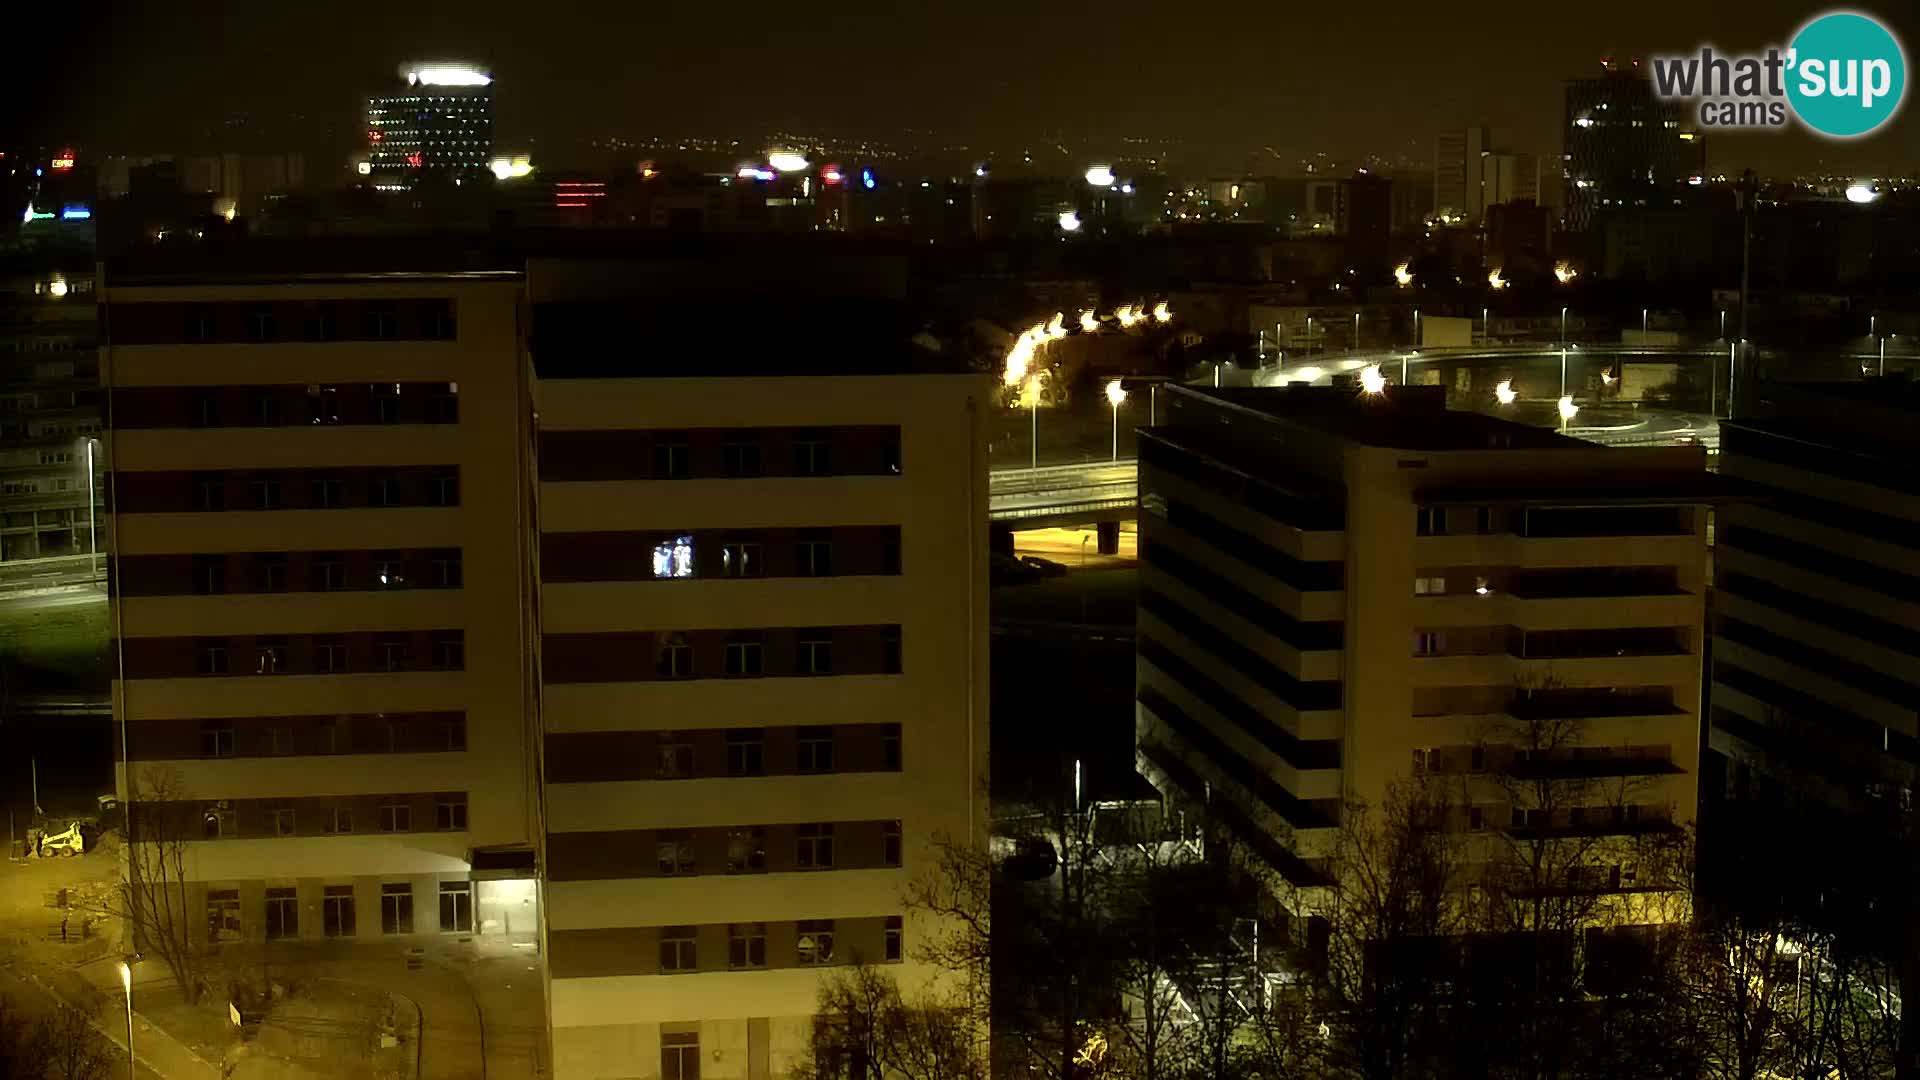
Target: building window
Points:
(747, 945)
(267, 411)
(390, 654)
(890, 452)
(890, 842)
(747, 850)
(321, 325)
(206, 412)
(450, 813)
(895, 940)
(209, 491)
(323, 404)
(218, 823)
(338, 820)
(671, 457)
(814, 847)
(740, 454)
(395, 729)
(440, 322)
(449, 650)
(216, 738)
(814, 750)
(223, 914)
(383, 490)
(1428, 643)
(329, 493)
(280, 740)
(456, 907)
(813, 653)
(815, 555)
(396, 817)
(1483, 519)
(675, 659)
(746, 752)
(260, 324)
(443, 488)
(281, 818)
(336, 911)
(283, 914)
(330, 655)
(676, 757)
(1430, 521)
(385, 403)
(813, 454)
(382, 323)
(890, 747)
(679, 1050)
(209, 574)
(270, 655)
(211, 658)
(674, 849)
(447, 569)
(270, 573)
(200, 329)
(451, 732)
(743, 656)
(396, 908)
(676, 948)
(673, 557)
(740, 559)
(1429, 586)
(890, 552)
(890, 654)
(816, 941)
(443, 407)
(329, 572)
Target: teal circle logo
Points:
(1847, 75)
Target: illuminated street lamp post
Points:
(1486, 326)
(93, 543)
(126, 983)
(1356, 331)
(1309, 336)
(1563, 328)
(1115, 395)
(1643, 320)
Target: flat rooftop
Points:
(1401, 418)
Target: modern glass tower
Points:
(439, 125)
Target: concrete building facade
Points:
(1342, 591)
(49, 409)
(322, 539)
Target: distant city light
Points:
(1862, 193)
(1495, 281)
(749, 172)
(75, 213)
(1088, 323)
(1161, 312)
(364, 168)
(511, 168)
(1563, 273)
(1504, 392)
(980, 170)
(1126, 189)
(1309, 374)
(831, 175)
(448, 76)
(1403, 275)
(1069, 221)
(1606, 377)
(1100, 176)
(57, 288)
(866, 179)
(1567, 408)
(1372, 381)
(1057, 327)
(62, 162)
(787, 160)
(1116, 393)
(1127, 315)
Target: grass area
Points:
(54, 646)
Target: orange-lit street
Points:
(1075, 548)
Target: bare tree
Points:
(73, 1049)
(865, 1030)
(153, 897)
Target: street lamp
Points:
(1309, 334)
(93, 542)
(1115, 395)
(1371, 380)
(1505, 392)
(1567, 410)
(1356, 331)
(1486, 326)
(126, 983)
(1563, 327)
(1033, 405)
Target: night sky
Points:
(1347, 79)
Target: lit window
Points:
(673, 558)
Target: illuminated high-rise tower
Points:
(438, 125)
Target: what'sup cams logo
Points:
(1843, 76)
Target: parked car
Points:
(1046, 567)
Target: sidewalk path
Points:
(157, 1055)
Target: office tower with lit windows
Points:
(1341, 591)
(438, 126)
(321, 556)
(49, 408)
(764, 653)
(1624, 146)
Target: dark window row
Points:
(709, 453)
(1808, 709)
(1222, 812)
(289, 736)
(1822, 561)
(722, 654)
(285, 489)
(295, 654)
(730, 752)
(1305, 696)
(1740, 441)
(1840, 617)
(1590, 644)
(321, 404)
(675, 950)
(1308, 512)
(723, 849)
(1839, 668)
(307, 815)
(1553, 521)
(254, 322)
(1579, 762)
(1903, 532)
(1292, 809)
(1305, 636)
(1589, 702)
(1297, 752)
(287, 571)
(720, 553)
(1602, 581)
(1304, 576)
(339, 917)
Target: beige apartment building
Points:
(322, 538)
(763, 652)
(1340, 591)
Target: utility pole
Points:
(1749, 194)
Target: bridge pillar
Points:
(1000, 539)
(1109, 537)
